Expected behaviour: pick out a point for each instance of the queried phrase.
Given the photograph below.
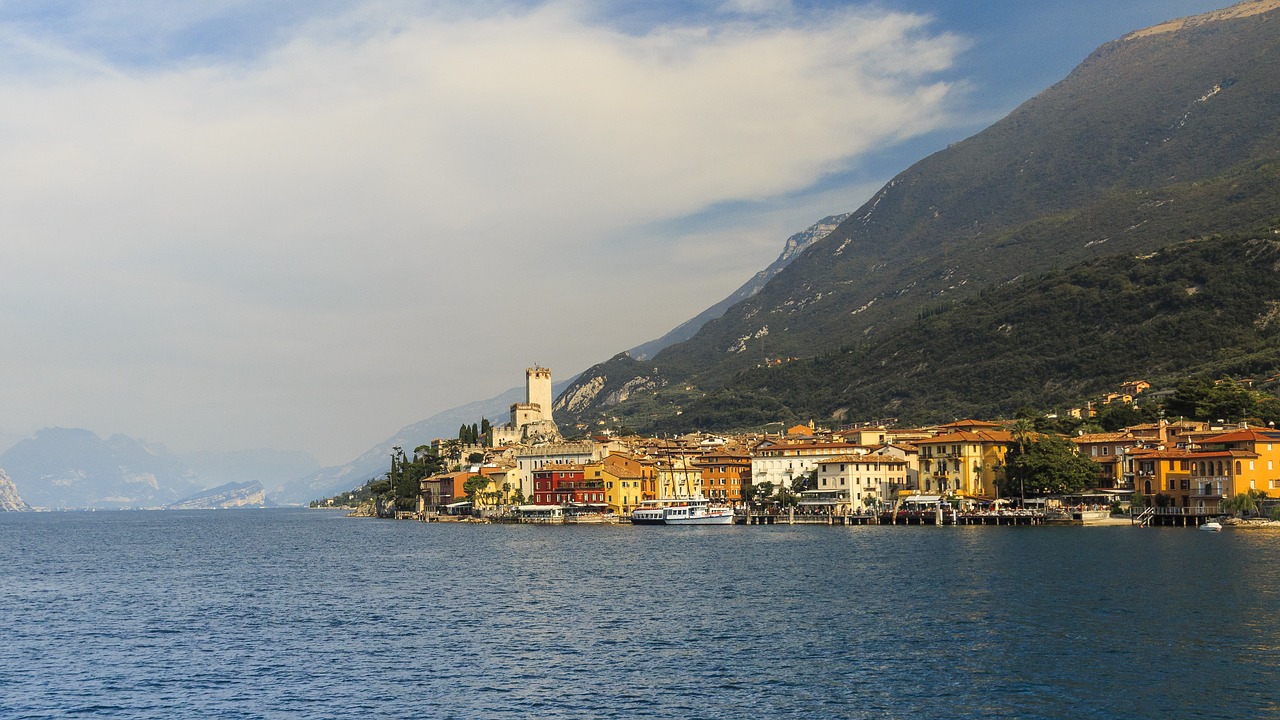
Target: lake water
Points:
(308, 614)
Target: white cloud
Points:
(286, 248)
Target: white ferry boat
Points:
(681, 511)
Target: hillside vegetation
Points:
(1207, 308)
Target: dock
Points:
(902, 517)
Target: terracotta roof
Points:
(1245, 435)
(971, 423)
(1103, 437)
(868, 458)
(962, 436)
(1144, 453)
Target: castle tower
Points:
(538, 390)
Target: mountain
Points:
(1198, 308)
(273, 468)
(231, 495)
(10, 500)
(375, 462)
(75, 468)
(1161, 136)
(794, 245)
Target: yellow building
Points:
(1232, 463)
(963, 459)
(1157, 472)
(679, 477)
(627, 481)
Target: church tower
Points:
(538, 390)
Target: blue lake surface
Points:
(309, 614)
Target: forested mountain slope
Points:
(1155, 139)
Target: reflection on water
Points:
(309, 614)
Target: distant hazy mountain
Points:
(10, 500)
(231, 495)
(1161, 136)
(375, 462)
(74, 468)
(794, 245)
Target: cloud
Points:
(377, 202)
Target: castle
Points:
(531, 420)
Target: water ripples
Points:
(297, 614)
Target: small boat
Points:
(681, 511)
(1212, 526)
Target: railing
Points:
(1182, 511)
(1144, 519)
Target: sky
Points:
(242, 224)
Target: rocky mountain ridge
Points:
(10, 500)
(791, 249)
(232, 495)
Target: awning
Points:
(922, 499)
(464, 503)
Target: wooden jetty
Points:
(902, 517)
(1174, 516)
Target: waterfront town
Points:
(1175, 472)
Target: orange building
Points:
(724, 472)
(1233, 463)
(1162, 471)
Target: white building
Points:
(782, 463)
(561, 453)
(855, 479)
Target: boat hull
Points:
(718, 519)
(697, 513)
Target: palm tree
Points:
(1021, 431)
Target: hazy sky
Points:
(304, 224)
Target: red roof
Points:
(1244, 435)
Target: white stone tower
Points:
(537, 383)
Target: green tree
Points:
(1188, 399)
(474, 487)
(1119, 415)
(1048, 465)
(764, 491)
(1227, 400)
(1021, 431)
(1241, 504)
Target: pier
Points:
(1174, 516)
(902, 517)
